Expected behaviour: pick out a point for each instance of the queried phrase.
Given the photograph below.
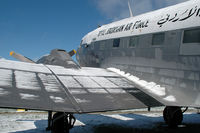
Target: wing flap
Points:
(55, 88)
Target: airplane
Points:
(144, 61)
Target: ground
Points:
(120, 122)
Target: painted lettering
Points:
(128, 27)
(101, 33)
(179, 17)
(140, 24)
(190, 14)
(115, 29)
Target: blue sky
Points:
(35, 27)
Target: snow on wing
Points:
(55, 88)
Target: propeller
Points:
(60, 56)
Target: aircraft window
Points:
(191, 36)
(116, 42)
(133, 41)
(158, 39)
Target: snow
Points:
(50, 83)
(98, 91)
(104, 82)
(98, 85)
(26, 80)
(116, 91)
(33, 122)
(3, 92)
(119, 117)
(170, 98)
(57, 99)
(82, 100)
(84, 71)
(69, 82)
(77, 91)
(150, 87)
(28, 96)
(87, 82)
(121, 83)
(19, 122)
(158, 90)
(17, 65)
(5, 78)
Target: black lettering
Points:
(101, 33)
(111, 30)
(174, 19)
(164, 20)
(140, 24)
(120, 28)
(146, 24)
(198, 13)
(115, 29)
(135, 25)
(191, 13)
(128, 27)
(184, 16)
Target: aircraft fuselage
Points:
(161, 46)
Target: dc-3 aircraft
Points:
(143, 61)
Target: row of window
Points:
(158, 39)
(190, 36)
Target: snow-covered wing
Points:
(55, 88)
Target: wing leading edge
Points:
(55, 88)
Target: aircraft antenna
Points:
(130, 9)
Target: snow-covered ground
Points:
(36, 122)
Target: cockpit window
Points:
(84, 45)
(81, 42)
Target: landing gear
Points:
(49, 121)
(173, 116)
(62, 122)
(198, 110)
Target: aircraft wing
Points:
(55, 88)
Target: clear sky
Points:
(35, 27)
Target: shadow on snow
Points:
(135, 123)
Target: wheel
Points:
(173, 116)
(62, 122)
(58, 123)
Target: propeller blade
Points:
(21, 57)
(72, 52)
